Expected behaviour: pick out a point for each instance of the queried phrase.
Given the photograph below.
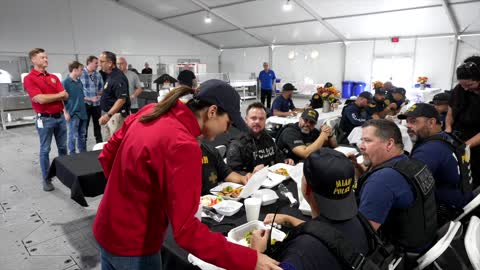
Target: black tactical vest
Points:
(458, 148)
(414, 227)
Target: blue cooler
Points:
(358, 88)
(347, 87)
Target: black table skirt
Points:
(81, 173)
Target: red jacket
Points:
(154, 174)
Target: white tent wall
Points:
(468, 46)
(245, 60)
(66, 28)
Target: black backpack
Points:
(379, 257)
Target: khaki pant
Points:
(114, 124)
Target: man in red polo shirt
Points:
(47, 95)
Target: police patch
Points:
(316, 97)
(387, 102)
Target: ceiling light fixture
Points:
(208, 19)
(291, 55)
(287, 6)
(314, 54)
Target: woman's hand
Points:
(259, 240)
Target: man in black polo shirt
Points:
(299, 140)
(464, 110)
(114, 103)
(327, 187)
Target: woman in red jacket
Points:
(154, 171)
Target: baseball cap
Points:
(366, 95)
(288, 87)
(223, 95)
(441, 98)
(419, 110)
(310, 114)
(186, 77)
(327, 85)
(330, 174)
(398, 91)
(380, 91)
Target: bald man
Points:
(134, 86)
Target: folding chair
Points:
(469, 207)
(472, 242)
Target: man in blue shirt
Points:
(75, 110)
(283, 105)
(387, 197)
(92, 89)
(355, 114)
(423, 122)
(328, 189)
(440, 101)
(266, 78)
(395, 99)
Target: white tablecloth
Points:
(322, 117)
(415, 95)
(356, 135)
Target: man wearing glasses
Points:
(92, 89)
(464, 109)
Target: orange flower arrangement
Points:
(331, 93)
(377, 84)
(422, 79)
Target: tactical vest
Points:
(414, 227)
(462, 155)
(380, 254)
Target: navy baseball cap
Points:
(331, 176)
(440, 99)
(421, 110)
(288, 87)
(399, 90)
(223, 95)
(367, 95)
(380, 91)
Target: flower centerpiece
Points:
(329, 96)
(376, 85)
(422, 81)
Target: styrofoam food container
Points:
(227, 208)
(223, 185)
(268, 196)
(237, 235)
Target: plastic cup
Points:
(252, 207)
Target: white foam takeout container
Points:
(237, 235)
(274, 179)
(227, 207)
(223, 185)
(267, 196)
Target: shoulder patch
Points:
(387, 102)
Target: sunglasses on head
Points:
(471, 68)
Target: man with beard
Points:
(464, 109)
(283, 105)
(256, 148)
(297, 141)
(396, 193)
(354, 115)
(437, 150)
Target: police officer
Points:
(115, 103)
(297, 141)
(316, 101)
(255, 148)
(283, 105)
(438, 151)
(391, 198)
(378, 109)
(327, 187)
(464, 109)
(355, 114)
(215, 170)
(440, 101)
(395, 99)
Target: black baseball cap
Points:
(380, 91)
(398, 91)
(288, 87)
(310, 114)
(327, 85)
(186, 77)
(331, 175)
(441, 98)
(223, 95)
(366, 95)
(421, 110)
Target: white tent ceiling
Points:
(248, 23)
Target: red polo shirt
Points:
(43, 83)
(154, 174)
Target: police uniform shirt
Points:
(376, 107)
(316, 101)
(308, 253)
(247, 152)
(214, 170)
(353, 116)
(389, 100)
(384, 190)
(282, 104)
(116, 87)
(441, 161)
(292, 137)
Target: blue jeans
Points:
(51, 127)
(77, 129)
(114, 262)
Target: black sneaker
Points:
(48, 186)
